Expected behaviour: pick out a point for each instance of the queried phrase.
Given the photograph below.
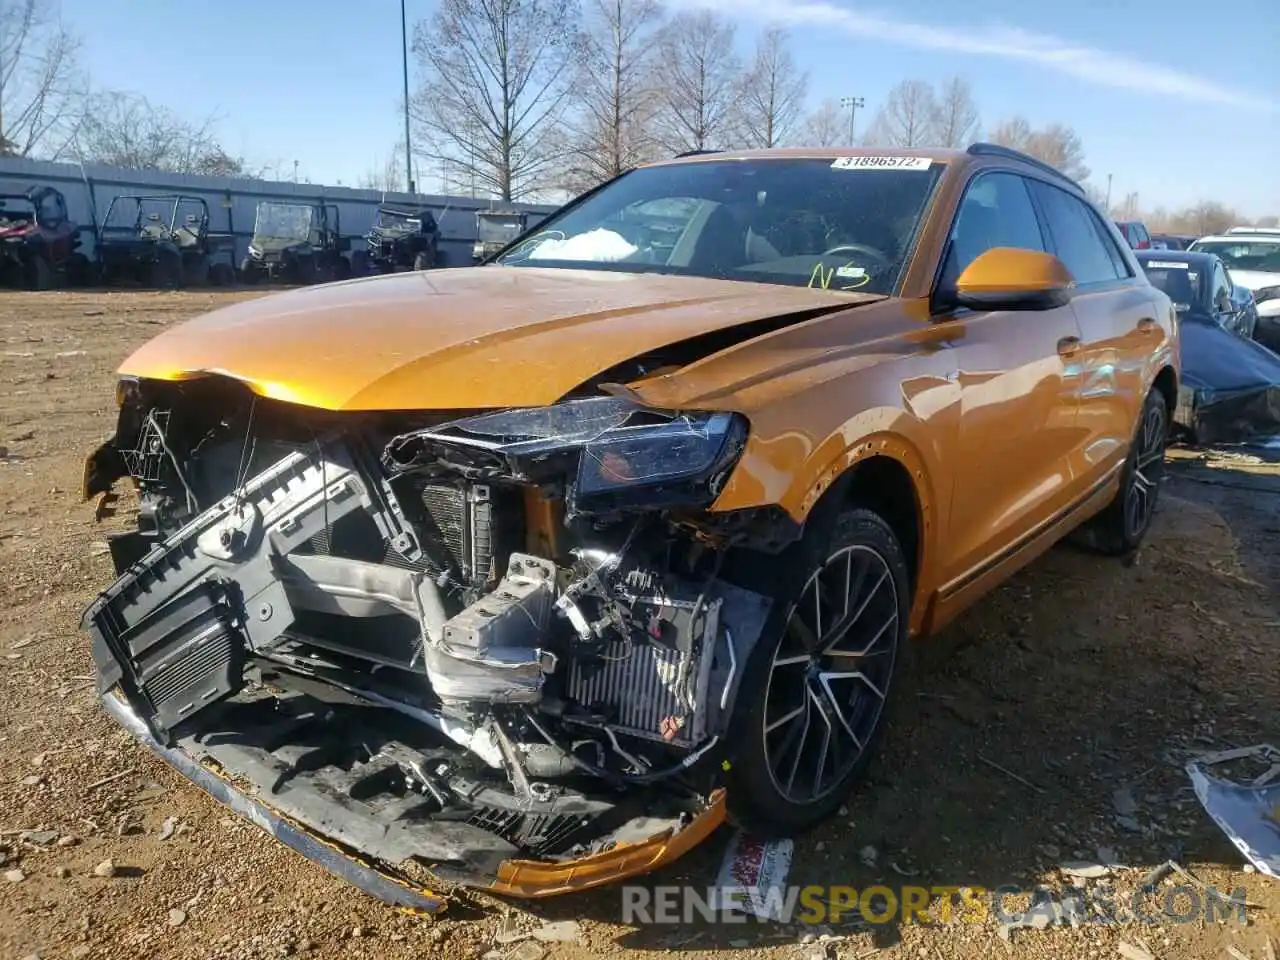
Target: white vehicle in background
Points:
(1252, 257)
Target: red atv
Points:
(38, 242)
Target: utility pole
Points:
(404, 56)
(1108, 194)
(295, 171)
(852, 104)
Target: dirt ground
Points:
(1069, 699)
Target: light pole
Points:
(404, 56)
(852, 104)
(1108, 194)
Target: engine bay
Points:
(517, 622)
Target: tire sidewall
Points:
(753, 800)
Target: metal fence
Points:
(233, 202)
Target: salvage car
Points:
(530, 575)
(1199, 284)
(1254, 262)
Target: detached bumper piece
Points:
(1247, 808)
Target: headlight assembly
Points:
(606, 453)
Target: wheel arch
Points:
(1166, 381)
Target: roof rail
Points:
(999, 150)
(695, 153)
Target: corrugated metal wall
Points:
(232, 202)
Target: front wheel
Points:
(1121, 527)
(814, 697)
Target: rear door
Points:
(1116, 311)
(1017, 393)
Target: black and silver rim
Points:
(1140, 498)
(830, 674)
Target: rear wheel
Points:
(39, 273)
(814, 697)
(1121, 527)
(221, 274)
(165, 271)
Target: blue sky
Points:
(1178, 101)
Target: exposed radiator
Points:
(649, 689)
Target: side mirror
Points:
(1009, 278)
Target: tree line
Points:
(517, 99)
(50, 110)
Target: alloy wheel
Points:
(830, 674)
(1148, 467)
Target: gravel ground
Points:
(1052, 720)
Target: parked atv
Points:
(296, 243)
(495, 229)
(403, 238)
(39, 245)
(163, 241)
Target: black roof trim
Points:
(696, 153)
(997, 150)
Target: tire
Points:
(39, 273)
(342, 268)
(423, 261)
(221, 274)
(165, 272)
(196, 273)
(1120, 528)
(360, 263)
(790, 700)
(79, 270)
(304, 270)
(249, 271)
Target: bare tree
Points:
(906, 119)
(1056, 144)
(826, 126)
(42, 92)
(613, 93)
(496, 75)
(1015, 133)
(773, 92)
(126, 130)
(955, 118)
(701, 78)
(387, 175)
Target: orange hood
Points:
(473, 337)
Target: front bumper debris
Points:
(1248, 812)
(519, 878)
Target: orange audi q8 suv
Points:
(528, 574)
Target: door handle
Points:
(1147, 325)
(1068, 346)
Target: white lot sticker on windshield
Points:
(855, 273)
(881, 163)
(1167, 265)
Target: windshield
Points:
(283, 221)
(1180, 282)
(498, 229)
(399, 219)
(1261, 255)
(843, 224)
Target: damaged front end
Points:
(497, 649)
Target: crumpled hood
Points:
(1255, 279)
(468, 338)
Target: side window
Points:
(51, 210)
(996, 212)
(1077, 239)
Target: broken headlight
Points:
(687, 447)
(606, 452)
